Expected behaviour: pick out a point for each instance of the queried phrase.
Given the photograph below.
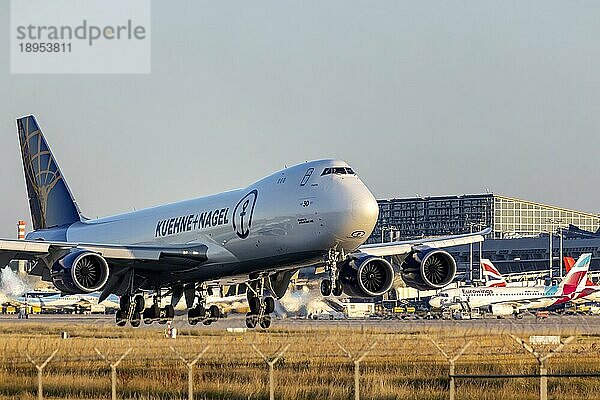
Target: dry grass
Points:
(401, 366)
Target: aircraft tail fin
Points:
(493, 277)
(50, 200)
(577, 275)
(569, 262)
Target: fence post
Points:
(271, 362)
(357, 362)
(541, 359)
(113, 370)
(190, 366)
(451, 362)
(40, 372)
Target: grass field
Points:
(401, 366)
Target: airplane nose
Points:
(353, 213)
(365, 209)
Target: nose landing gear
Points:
(332, 285)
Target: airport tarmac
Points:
(553, 325)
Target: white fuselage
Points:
(509, 298)
(291, 217)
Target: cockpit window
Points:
(338, 171)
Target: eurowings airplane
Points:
(311, 214)
(588, 290)
(511, 300)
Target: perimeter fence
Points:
(315, 363)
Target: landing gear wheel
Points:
(269, 304)
(214, 312)
(147, 316)
(119, 318)
(251, 320)
(195, 315)
(170, 312)
(265, 321)
(140, 303)
(337, 288)
(124, 302)
(254, 304)
(207, 321)
(136, 320)
(325, 287)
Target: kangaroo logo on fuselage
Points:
(242, 214)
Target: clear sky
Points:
(427, 97)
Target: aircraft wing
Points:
(12, 303)
(11, 249)
(153, 256)
(405, 247)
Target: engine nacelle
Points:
(428, 269)
(501, 309)
(80, 272)
(366, 276)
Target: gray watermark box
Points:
(74, 36)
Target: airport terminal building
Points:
(414, 217)
(519, 241)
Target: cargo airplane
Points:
(512, 300)
(317, 213)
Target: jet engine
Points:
(366, 276)
(428, 269)
(501, 309)
(80, 272)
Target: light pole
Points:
(550, 249)
(471, 225)
(470, 249)
(560, 246)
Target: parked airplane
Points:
(315, 213)
(511, 300)
(492, 277)
(58, 303)
(589, 292)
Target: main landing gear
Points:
(199, 313)
(332, 284)
(260, 308)
(132, 309)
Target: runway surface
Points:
(553, 325)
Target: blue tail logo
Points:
(50, 199)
